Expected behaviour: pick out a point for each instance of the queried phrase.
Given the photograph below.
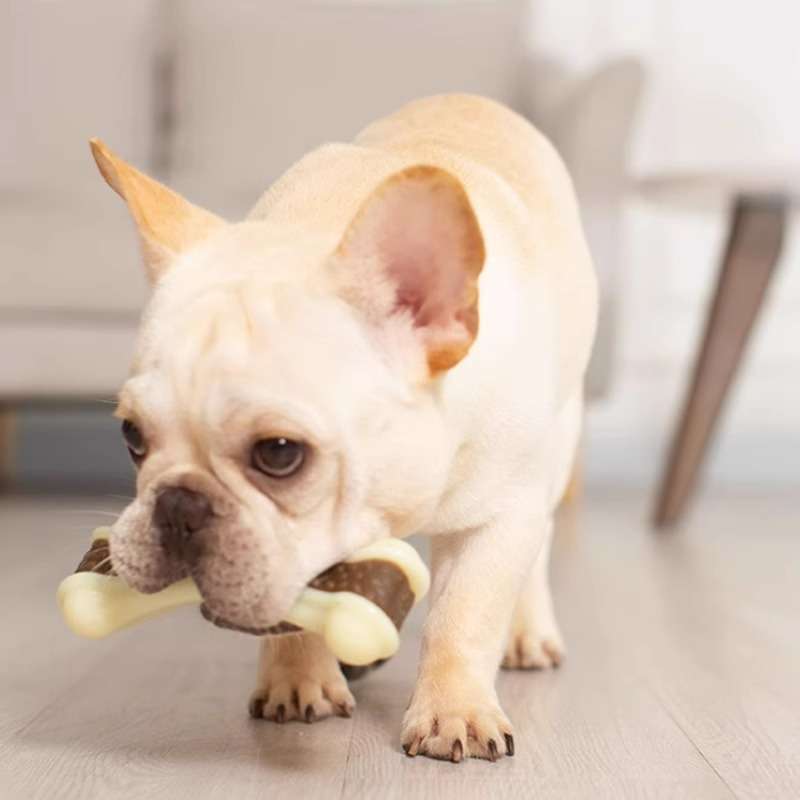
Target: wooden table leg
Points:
(755, 238)
(6, 444)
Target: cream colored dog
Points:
(393, 342)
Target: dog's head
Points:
(282, 407)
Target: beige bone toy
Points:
(357, 605)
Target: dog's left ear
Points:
(167, 223)
(415, 246)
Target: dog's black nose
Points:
(178, 515)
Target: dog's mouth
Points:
(221, 622)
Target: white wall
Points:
(722, 93)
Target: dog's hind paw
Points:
(530, 650)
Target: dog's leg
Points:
(299, 678)
(477, 577)
(534, 640)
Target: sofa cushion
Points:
(71, 71)
(255, 91)
(78, 253)
(64, 356)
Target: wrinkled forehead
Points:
(240, 345)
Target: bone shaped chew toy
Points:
(357, 606)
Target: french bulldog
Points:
(392, 342)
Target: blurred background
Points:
(648, 101)
(680, 123)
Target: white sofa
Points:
(218, 99)
(70, 283)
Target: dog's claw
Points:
(280, 713)
(509, 744)
(457, 753)
(411, 748)
(343, 710)
(256, 707)
(493, 754)
(309, 714)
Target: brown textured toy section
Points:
(97, 559)
(381, 582)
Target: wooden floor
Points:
(683, 679)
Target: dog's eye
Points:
(278, 457)
(134, 440)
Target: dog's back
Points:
(468, 127)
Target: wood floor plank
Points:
(39, 548)
(728, 681)
(160, 708)
(593, 729)
(681, 679)
(164, 713)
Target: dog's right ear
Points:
(167, 223)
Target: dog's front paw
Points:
(529, 649)
(300, 698)
(456, 725)
(299, 680)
